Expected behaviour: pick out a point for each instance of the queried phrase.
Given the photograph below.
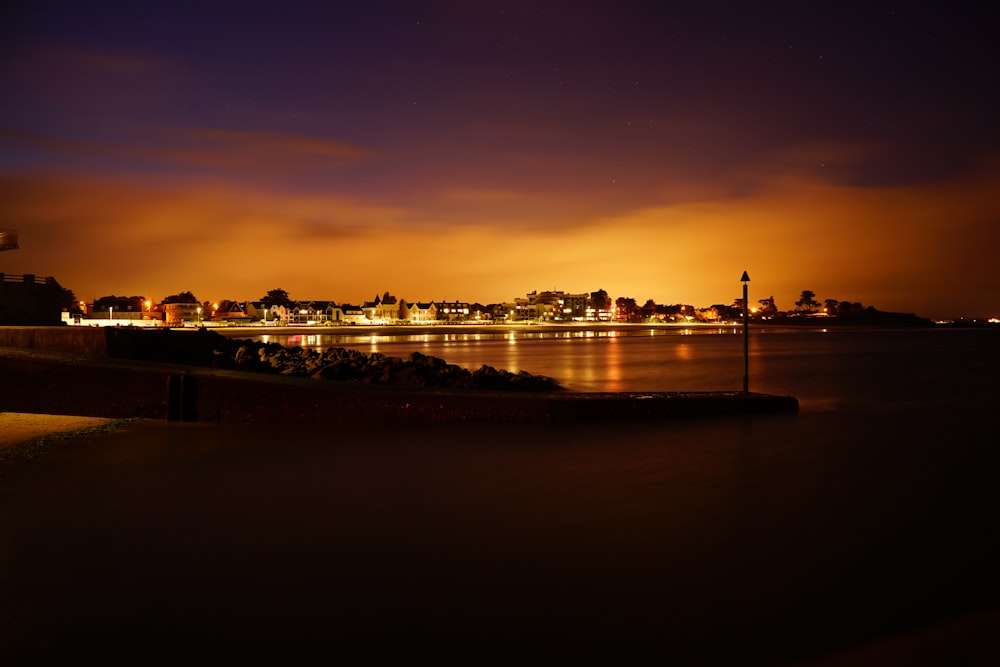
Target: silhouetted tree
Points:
(726, 312)
(276, 297)
(675, 311)
(226, 305)
(600, 300)
(120, 303)
(183, 297)
(68, 301)
(648, 309)
(767, 307)
(627, 308)
(807, 301)
(832, 307)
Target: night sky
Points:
(480, 150)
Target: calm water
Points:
(826, 369)
(869, 518)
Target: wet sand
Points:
(18, 427)
(176, 543)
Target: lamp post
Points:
(746, 334)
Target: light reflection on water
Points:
(827, 370)
(324, 340)
(582, 360)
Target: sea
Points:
(869, 517)
(861, 530)
(828, 369)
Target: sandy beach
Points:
(19, 427)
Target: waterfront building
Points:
(353, 314)
(452, 311)
(553, 306)
(315, 312)
(176, 314)
(383, 310)
(419, 312)
(29, 300)
(230, 311)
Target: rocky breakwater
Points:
(345, 365)
(208, 349)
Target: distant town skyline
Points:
(445, 148)
(551, 305)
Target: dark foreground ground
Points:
(181, 543)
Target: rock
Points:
(207, 348)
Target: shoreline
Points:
(466, 327)
(20, 428)
(82, 372)
(52, 383)
(880, 321)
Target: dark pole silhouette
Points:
(746, 334)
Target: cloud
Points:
(926, 250)
(227, 153)
(98, 231)
(63, 64)
(235, 151)
(86, 86)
